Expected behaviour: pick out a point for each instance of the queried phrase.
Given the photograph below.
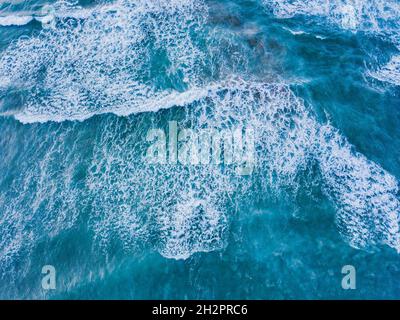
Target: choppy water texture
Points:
(81, 84)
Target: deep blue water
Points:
(81, 85)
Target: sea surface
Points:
(83, 82)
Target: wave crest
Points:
(105, 61)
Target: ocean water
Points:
(83, 82)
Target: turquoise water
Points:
(81, 85)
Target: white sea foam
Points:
(366, 15)
(15, 20)
(48, 13)
(364, 193)
(41, 200)
(164, 100)
(190, 207)
(95, 67)
(181, 210)
(293, 32)
(102, 63)
(376, 17)
(301, 32)
(13, 2)
(390, 72)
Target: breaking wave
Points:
(104, 62)
(6, 21)
(180, 210)
(366, 196)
